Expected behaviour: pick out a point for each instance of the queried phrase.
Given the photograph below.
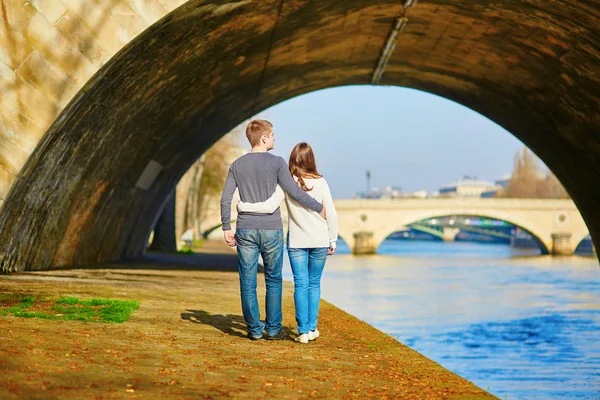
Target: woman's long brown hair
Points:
(302, 164)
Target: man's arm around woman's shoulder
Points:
(265, 207)
(290, 186)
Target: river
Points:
(518, 325)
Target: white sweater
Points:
(306, 227)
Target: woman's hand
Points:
(330, 251)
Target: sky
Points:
(405, 138)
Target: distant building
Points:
(468, 187)
(503, 181)
(389, 192)
(419, 194)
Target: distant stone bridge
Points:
(557, 225)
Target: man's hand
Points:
(323, 212)
(229, 237)
(330, 251)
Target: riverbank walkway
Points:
(188, 341)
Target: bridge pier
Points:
(562, 244)
(364, 243)
(449, 234)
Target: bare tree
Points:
(216, 164)
(552, 188)
(199, 190)
(528, 180)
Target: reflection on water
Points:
(519, 326)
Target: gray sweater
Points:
(256, 175)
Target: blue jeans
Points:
(269, 244)
(307, 267)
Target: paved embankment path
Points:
(187, 341)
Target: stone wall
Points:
(49, 49)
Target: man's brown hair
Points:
(256, 129)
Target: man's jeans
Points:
(269, 244)
(307, 267)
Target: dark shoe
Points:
(252, 337)
(278, 336)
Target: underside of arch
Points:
(93, 188)
(541, 239)
(580, 240)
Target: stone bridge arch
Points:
(96, 181)
(543, 237)
(579, 239)
(555, 224)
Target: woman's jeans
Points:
(307, 267)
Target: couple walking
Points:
(263, 180)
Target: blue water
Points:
(517, 325)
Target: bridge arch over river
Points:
(555, 224)
(89, 186)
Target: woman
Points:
(310, 238)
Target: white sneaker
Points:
(303, 338)
(312, 335)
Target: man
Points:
(256, 175)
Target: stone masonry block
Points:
(45, 76)
(16, 13)
(170, 5)
(13, 123)
(49, 41)
(12, 154)
(69, 92)
(7, 76)
(80, 34)
(129, 20)
(29, 101)
(97, 18)
(111, 36)
(6, 181)
(150, 10)
(51, 9)
(14, 48)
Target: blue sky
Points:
(404, 137)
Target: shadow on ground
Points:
(230, 324)
(177, 262)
